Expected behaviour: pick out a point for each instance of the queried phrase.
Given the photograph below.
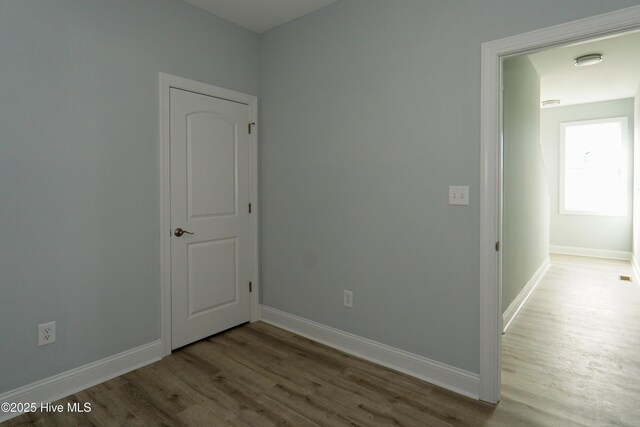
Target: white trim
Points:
(489, 227)
(590, 252)
(490, 210)
(254, 263)
(516, 305)
(636, 269)
(77, 379)
(166, 82)
(440, 374)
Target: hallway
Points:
(572, 355)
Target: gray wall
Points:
(362, 132)
(369, 110)
(79, 241)
(525, 222)
(584, 231)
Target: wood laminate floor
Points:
(573, 352)
(571, 357)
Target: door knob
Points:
(179, 232)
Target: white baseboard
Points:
(440, 374)
(75, 380)
(514, 308)
(590, 252)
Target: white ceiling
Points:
(616, 77)
(260, 15)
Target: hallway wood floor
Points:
(573, 353)
(571, 357)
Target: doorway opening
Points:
(567, 191)
(568, 164)
(493, 56)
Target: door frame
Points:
(493, 54)
(166, 82)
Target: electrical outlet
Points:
(459, 195)
(47, 333)
(347, 299)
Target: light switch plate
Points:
(459, 195)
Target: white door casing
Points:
(493, 54)
(208, 179)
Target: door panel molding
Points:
(166, 82)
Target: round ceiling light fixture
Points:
(586, 60)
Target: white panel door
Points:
(209, 148)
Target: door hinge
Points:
(498, 246)
(249, 207)
(249, 127)
(250, 287)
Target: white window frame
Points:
(624, 123)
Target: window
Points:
(593, 167)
